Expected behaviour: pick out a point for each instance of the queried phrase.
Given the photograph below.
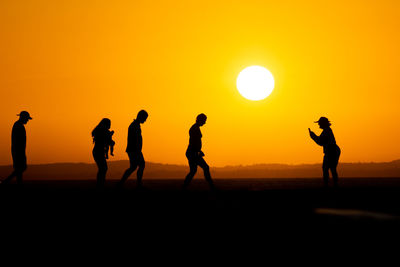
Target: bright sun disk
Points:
(255, 83)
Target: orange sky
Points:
(71, 63)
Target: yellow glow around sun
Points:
(255, 83)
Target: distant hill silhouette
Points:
(85, 171)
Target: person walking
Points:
(331, 150)
(134, 149)
(102, 139)
(195, 155)
(18, 147)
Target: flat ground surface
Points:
(241, 209)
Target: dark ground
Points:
(241, 213)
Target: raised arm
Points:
(317, 139)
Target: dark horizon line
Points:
(226, 166)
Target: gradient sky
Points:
(71, 63)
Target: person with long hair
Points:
(331, 149)
(102, 139)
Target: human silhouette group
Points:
(104, 145)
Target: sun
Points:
(255, 83)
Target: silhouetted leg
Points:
(334, 165)
(19, 164)
(334, 173)
(206, 169)
(127, 173)
(193, 170)
(9, 178)
(19, 178)
(99, 179)
(141, 164)
(101, 176)
(133, 165)
(325, 170)
(21, 171)
(102, 166)
(192, 159)
(334, 176)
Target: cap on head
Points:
(323, 121)
(24, 115)
(201, 117)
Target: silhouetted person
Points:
(194, 153)
(134, 149)
(102, 139)
(18, 147)
(331, 149)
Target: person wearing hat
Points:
(18, 147)
(331, 149)
(194, 153)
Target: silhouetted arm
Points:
(195, 138)
(138, 138)
(18, 143)
(320, 140)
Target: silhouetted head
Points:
(142, 116)
(105, 124)
(24, 117)
(323, 122)
(201, 119)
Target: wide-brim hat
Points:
(322, 119)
